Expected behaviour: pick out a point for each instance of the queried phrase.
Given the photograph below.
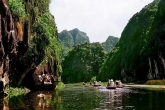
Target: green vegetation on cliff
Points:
(139, 54)
(83, 62)
(18, 8)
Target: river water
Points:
(78, 97)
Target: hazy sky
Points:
(97, 18)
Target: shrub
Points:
(93, 79)
(155, 82)
(17, 8)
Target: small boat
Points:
(111, 87)
(111, 84)
(95, 85)
(84, 83)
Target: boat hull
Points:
(109, 87)
(96, 85)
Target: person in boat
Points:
(111, 83)
(84, 83)
(96, 83)
(48, 79)
(99, 83)
(119, 83)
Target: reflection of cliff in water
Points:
(3, 104)
(48, 100)
(37, 100)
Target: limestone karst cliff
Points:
(28, 39)
(139, 54)
(71, 38)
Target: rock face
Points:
(13, 38)
(68, 39)
(109, 44)
(79, 37)
(28, 39)
(140, 52)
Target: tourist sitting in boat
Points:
(48, 79)
(84, 83)
(119, 84)
(111, 84)
(96, 83)
(99, 83)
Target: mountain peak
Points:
(72, 38)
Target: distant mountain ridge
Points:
(110, 43)
(71, 38)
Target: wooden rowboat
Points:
(95, 85)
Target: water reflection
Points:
(3, 104)
(44, 100)
(88, 98)
(112, 100)
(79, 98)
(38, 100)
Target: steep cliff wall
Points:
(28, 39)
(13, 37)
(139, 54)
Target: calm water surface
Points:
(77, 97)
